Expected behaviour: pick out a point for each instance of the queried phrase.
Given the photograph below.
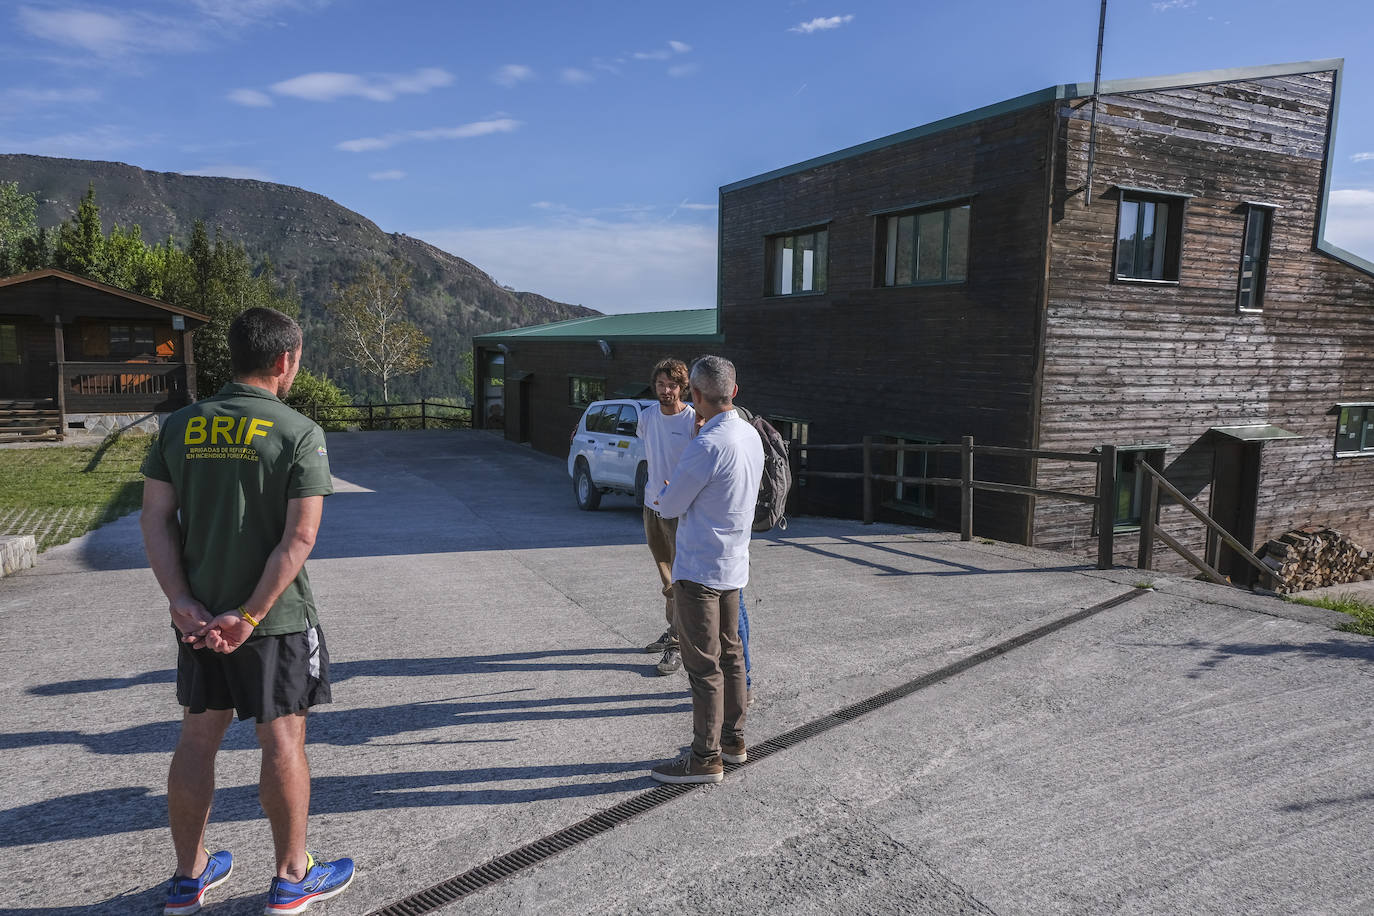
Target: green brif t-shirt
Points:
(234, 461)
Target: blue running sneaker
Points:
(184, 894)
(322, 880)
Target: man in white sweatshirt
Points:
(712, 492)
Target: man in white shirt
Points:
(712, 493)
(665, 433)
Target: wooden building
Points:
(74, 352)
(974, 277)
(534, 382)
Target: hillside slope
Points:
(313, 241)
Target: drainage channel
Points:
(446, 892)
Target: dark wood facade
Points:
(93, 348)
(1040, 345)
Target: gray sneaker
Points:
(671, 660)
(667, 640)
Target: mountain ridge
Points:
(312, 241)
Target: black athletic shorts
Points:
(266, 677)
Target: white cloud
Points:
(700, 206)
(20, 100)
(625, 266)
(1167, 5)
(461, 132)
(681, 70)
(328, 87)
(250, 98)
(512, 75)
(821, 23)
(575, 77)
(95, 143)
(674, 47)
(248, 12)
(1350, 221)
(388, 175)
(108, 34)
(1362, 157)
(228, 171)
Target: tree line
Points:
(218, 278)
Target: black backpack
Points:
(776, 482)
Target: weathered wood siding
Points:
(1161, 364)
(931, 361)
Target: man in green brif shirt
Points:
(232, 500)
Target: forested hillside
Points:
(312, 243)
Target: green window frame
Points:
(9, 345)
(1354, 430)
(924, 246)
(584, 389)
(797, 262)
(1130, 484)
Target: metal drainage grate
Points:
(446, 892)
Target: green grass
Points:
(61, 492)
(1346, 603)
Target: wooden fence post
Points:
(868, 480)
(371, 424)
(794, 467)
(1145, 557)
(424, 422)
(1106, 506)
(966, 488)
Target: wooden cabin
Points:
(74, 351)
(1178, 301)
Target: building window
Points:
(917, 497)
(797, 263)
(796, 430)
(1131, 481)
(1254, 259)
(1149, 229)
(923, 246)
(582, 390)
(131, 340)
(1355, 429)
(9, 345)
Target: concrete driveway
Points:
(1191, 748)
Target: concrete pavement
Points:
(1196, 748)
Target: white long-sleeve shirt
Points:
(712, 493)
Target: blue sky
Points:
(576, 149)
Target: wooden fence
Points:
(1103, 498)
(421, 414)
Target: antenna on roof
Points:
(1097, 86)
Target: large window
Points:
(1355, 429)
(1149, 228)
(131, 340)
(797, 263)
(582, 390)
(923, 246)
(1131, 481)
(1254, 259)
(9, 345)
(918, 497)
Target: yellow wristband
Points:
(249, 617)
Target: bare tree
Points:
(372, 328)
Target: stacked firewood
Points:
(1314, 556)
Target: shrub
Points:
(311, 390)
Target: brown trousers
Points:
(708, 631)
(661, 535)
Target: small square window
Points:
(797, 262)
(1355, 430)
(1148, 233)
(582, 390)
(9, 345)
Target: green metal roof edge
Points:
(585, 329)
(1053, 93)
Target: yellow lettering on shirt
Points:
(257, 428)
(238, 437)
(222, 426)
(195, 431)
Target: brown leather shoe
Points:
(733, 753)
(689, 768)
